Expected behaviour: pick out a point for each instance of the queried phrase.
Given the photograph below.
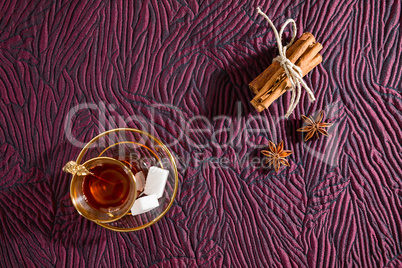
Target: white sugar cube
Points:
(156, 181)
(144, 204)
(140, 180)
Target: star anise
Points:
(276, 155)
(314, 126)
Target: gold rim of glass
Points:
(84, 213)
(174, 166)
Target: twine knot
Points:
(293, 72)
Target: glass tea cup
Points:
(102, 189)
(139, 151)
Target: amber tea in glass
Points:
(106, 191)
(106, 187)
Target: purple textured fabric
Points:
(72, 69)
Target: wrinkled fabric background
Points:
(72, 69)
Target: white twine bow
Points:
(293, 72)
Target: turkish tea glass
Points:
(138, 151)
(106, 192)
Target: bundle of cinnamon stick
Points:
(273, 82)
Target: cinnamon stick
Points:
(310, 53)
(280, 73)
(256, 85)
(273, 82)
(305, 64)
